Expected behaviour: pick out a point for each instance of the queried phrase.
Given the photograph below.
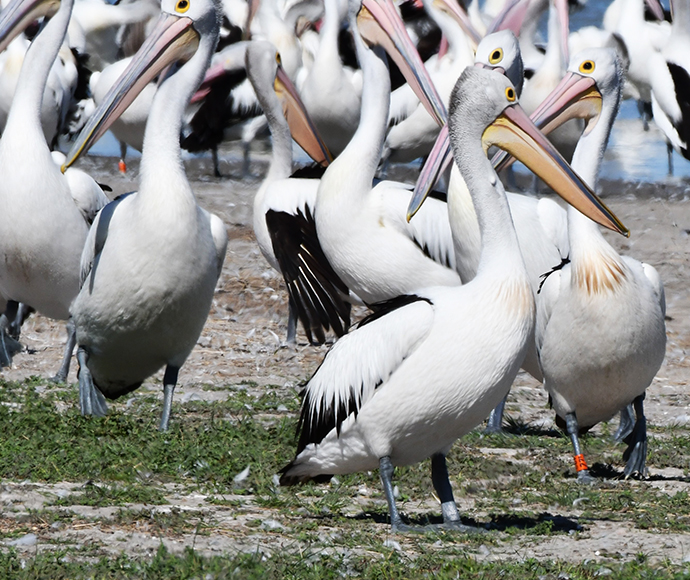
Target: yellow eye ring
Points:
(587, 67)
(279, 61)
(496, 56)
(182, 6)
(510, 94)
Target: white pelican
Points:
(331, 92)
(362, 230)
(600, 319)
(413, 136)
(152, 258)
(540, 223)
(283, 206)
(642, 38)
(46, 215)
(405, 385)
(669, 75)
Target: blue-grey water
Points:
(632, 154)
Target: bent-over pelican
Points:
(152, 258)
(405, 385)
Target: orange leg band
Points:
(122, 166)
(580, 463)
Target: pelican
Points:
(362, 230)
(406, 384)
(46, 215)
(283, 206)
(331, 92)
(152, 258)
(600, 330)
(669, 75)
(414, 136)
(540, 223)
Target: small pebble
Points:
(389, 543)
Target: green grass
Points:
(316, 565)
(122, 460)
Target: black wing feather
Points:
(314, 288)
(681, 82)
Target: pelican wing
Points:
(429, 228)
(97, 236)
(315, 290)
(361, 362)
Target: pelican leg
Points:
(636, 453)
(495, 422)
(8, 345)
(627, 422)
(23, 312)
(386, 470)
(169, 382)
(91, 400)
(292, 324)
(441, 481)
(216, 162)
(669, 152)
(583, 475)
(62, 373)
(122, 164)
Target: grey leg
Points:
(495, 422)
(627, 422)
(669, 152)
(8, 345)
(246, 161)
(216, 162)
(386, 470)
(292, 324)
(636, 453)
(23, 312)
(61, 375)
(169, 382)
(583, 475)
(91, 400)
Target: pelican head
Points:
(501, 51)
(380, 24)
(483, 106)
(263, 63)
(174, 40)
(19, 14)
(591, 85)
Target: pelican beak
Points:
(173, 39)
(457, 13)
(510, 18)
(575, 97)
(436, 163)
(564, 21)
(514, 132)
(18, 14)
(380, 24)
(656, 9)
(301, 126)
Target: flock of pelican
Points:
(467, 284)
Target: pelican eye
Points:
(587, 67)
(182, 6)
(279, 61)
(510, 94)
(496, 56)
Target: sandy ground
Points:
(243, 340)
